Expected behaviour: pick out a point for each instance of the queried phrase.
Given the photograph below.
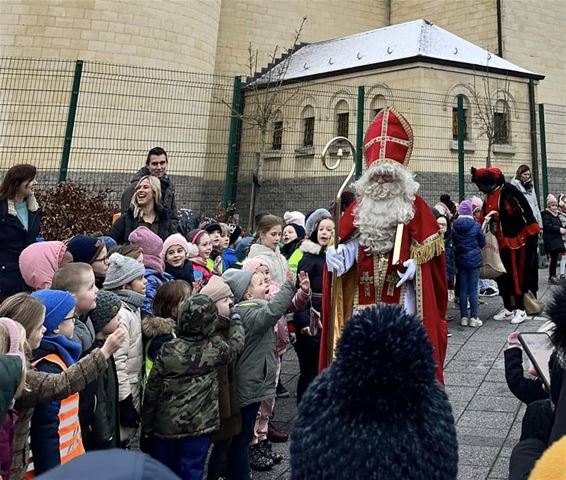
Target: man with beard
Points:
(516, 229)
(390, 249)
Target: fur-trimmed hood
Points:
(32, 205)
(153, 326)
(308, 246)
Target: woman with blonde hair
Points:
(145, 210)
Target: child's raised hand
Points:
(197, 286)
(289, 275)
(304, 282)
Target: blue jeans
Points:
(468, 280)
(239, 452)
(185, 456)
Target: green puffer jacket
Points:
(256, 366)
(181, 395)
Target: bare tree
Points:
(491, 115)
(264, 98)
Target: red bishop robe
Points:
(372, 280)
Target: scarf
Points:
(69, 350)
(133, 299)
(181, 273)
(289, 249)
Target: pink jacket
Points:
(40, 261)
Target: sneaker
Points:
(481, 301)
(503, 315)
(475, 322)
(464, 322)
(267, 449)
(488, 292)
(258, 460)
(554, 281)
(448, 334)
(519, 316)
(281, 391)
(451, 295)
(276, 436)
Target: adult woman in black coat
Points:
(20, 219)
(145, 210)
(552, 232)
(320, 231)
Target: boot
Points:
(259, 461)
(267, 450)
(276, 436)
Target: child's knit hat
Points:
(294, 217)
(252, 264)
(216, 289)
(121, 271)
(39, 262)
(83, 248)
(152, 246)
(178, 239)
(57, 305)
(551, 199)
(299, 230)
(16, 334)
(465, 207)
(238, 281)
(108, 241)
(314, 219)
(108, 305)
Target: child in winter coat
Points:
(104, 430)
(181, 398)
(159, 328)
(152, 247)
(230, 234)
(40, 261)
(230, 422)
(176, 253)
(257, 365)
(56, 353)
(320, 233)
(13, 380)
(468, 240)
(125, 278)
(552, 232)
(203, 265)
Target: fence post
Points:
(461, 133)
(71, 121)
(233, 142)
(543, 160)
(360, 131)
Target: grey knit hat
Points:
(314, 218)
(108, 305)
(121, 271)
(238, 281)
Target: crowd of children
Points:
(172, 346)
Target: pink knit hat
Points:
(39, 262)
(252, 264)
(15, 333)
(551, 199)
(151, 245)
(177, 239)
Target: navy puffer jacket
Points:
(468, 240)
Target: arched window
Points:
(342, 116)
(466, 104)
(378, 103)
(501, 126)
(277, 134)
(308, 126)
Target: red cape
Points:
(421, 242)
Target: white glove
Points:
(335, 260)
(409, 274)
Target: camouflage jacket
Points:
(181, 395)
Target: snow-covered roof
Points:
(418, 40)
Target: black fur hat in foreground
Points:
(377, 412)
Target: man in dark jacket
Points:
(156, 165)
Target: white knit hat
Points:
(294, 217)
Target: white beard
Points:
(383, 206)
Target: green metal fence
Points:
(259, 148)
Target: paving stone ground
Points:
(488, 417)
